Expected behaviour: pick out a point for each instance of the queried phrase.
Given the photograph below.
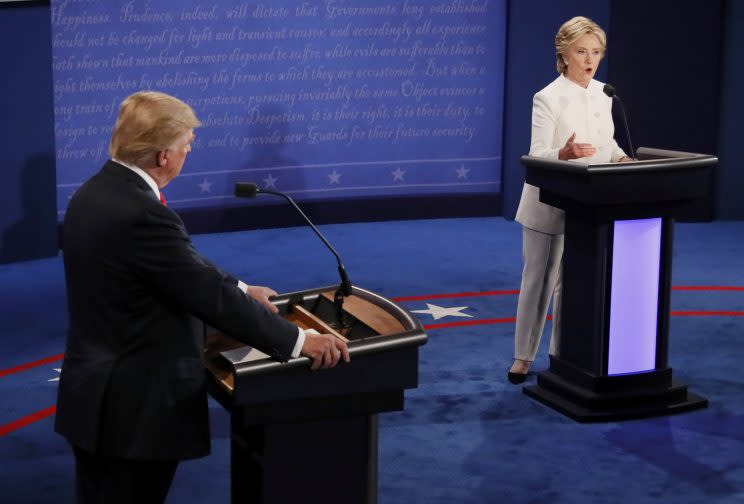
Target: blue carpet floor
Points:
(466, 435)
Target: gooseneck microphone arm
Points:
(250, 190)
(609, 90)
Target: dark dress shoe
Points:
(517, 378)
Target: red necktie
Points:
(162, 200)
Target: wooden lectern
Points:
(617, 270)
(297, 432)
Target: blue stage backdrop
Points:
(321, 99)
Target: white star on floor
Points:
(462, 172)
(334, 178)
(206, 186)
(398, 174)
(270, 181)
(59, 370)
(440, 312)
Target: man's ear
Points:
(161, 159)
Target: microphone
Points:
(250, 190)
(609, 90)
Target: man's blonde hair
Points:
(571, 31)
(149, 122)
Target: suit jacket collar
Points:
(121, 172)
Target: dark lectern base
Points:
(332, 461)
(327, 441)
(589, 405)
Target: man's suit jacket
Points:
(133, 381)
(559, 110)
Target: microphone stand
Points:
(609, 90)
(344, 288)
(627, 129)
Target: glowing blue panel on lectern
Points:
(634, 297)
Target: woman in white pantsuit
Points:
(571, 120)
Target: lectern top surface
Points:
(649, 159)
(371, 323)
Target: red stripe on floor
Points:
(707, 288)
(677, 313)
(516, 291)
(27, 420)
(462, 323)
(701, 313)
(31, 365)
(475, 322)
(456, 295)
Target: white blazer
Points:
(558, 110)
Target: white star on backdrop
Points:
(398, 174)
(462, 172)
(206, 186)
(59, 370)
(334, 178)
(270, 181)
(440, 311)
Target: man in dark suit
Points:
(132, 400)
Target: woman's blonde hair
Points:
(572, 30)
(148, 123)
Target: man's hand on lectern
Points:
(324, 349)
(262, 295)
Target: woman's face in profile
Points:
(582, 58)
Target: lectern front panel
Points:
(634, 296)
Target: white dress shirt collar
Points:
(142, 173)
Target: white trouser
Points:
(541, 279)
